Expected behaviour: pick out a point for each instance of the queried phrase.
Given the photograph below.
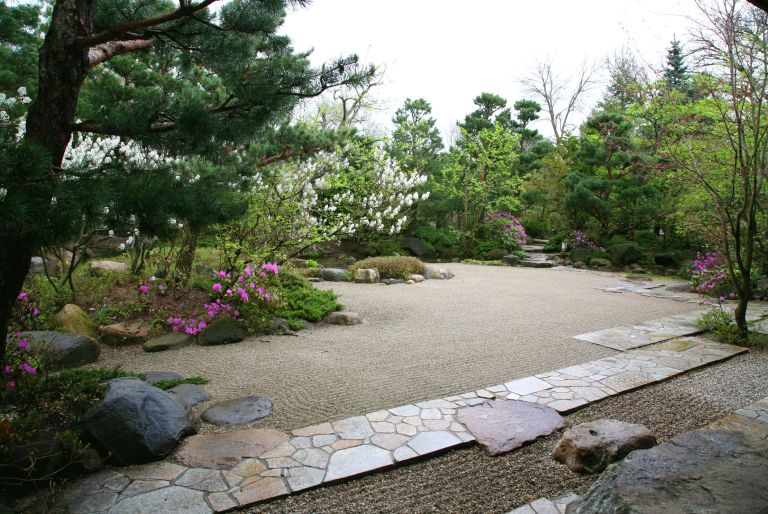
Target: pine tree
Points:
(188, 80)
(676, 72)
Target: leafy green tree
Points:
(480, 175)
(20, 38)
(185, 79)
(721, 140)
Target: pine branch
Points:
(105, 51)
(184, 11)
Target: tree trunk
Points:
(62, 69)
(740, 317)
(186, 256)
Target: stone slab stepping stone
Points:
(356, 461)
(190, 394)
(222, 451)
(167, 342)
(177, 499)
(590, 447)
(698, 471)
(238, 411)
(152, 377)
(503, 425)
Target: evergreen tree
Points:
(676, 72)
(185, 79)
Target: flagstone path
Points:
(743, 419)
(338, 450)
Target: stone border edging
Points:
(347, 448)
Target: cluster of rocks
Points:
(372, 276)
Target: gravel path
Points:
(423, 341)
(468, 481)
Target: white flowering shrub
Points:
(353, 192)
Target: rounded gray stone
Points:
(67, 350)
(238, 411)
(167, 342)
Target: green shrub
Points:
(300, 300)
(555, 242)
(484, 263)
(533, 228)
(391, 267)
(485, 249)
(720, 324)
(438, 241)
(312, 263)
(646, 238)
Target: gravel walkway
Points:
(468, 481)
(486, 326)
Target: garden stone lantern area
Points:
(219, 472)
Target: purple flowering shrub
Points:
(508, 228)
(233, 295)
(26, 313)
(580, 239)
(709, 276)
(22, 363)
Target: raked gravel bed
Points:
(428, 340)
(467, 480)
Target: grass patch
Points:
(484, 263)
(391, 267)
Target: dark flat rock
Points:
(167, 342)
(223, 331)
(501, 426)
(67, 350)
(191, 394)
(221, 451)
(238, 411)
(723, 471)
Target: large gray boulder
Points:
(65, 350)
(333, 274)
(590, 447)
(723, 471)
(137, 422)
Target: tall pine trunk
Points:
(62, 69)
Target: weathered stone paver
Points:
(220, 472)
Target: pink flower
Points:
(229, 291)
(7, 369)
(23, 297)
(216, 287)
(143, 288)
(161, 287)
(23, 344)
(248, 271)
(10, 385)
(240, 278)
(222, 273)
(251, 285)
(27, 368)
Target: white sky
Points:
(450, 51)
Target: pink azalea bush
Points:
(509, 228)
(21, 364)
(580, 239)
(709, 277)
(232, 294)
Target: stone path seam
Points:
(342, 449)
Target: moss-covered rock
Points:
(74, 320)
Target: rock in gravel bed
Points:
(590, 447)
(191, 394)
(167, 342)
(125, 333)
(66, 350)
(223, 331)
(343, 318)
(698, 471)
(137, 422)
(152, 377)
(238, 411)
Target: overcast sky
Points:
(449, 51)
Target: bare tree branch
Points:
(105, 51)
